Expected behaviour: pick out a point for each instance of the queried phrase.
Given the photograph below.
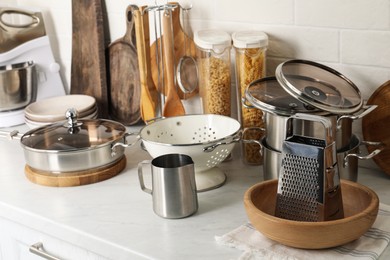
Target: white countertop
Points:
(114, 218)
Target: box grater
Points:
(309, 183)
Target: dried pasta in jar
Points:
(250, 65)
(213, 57)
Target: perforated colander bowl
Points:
(207, 138)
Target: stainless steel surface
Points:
(173, 185)
(319, 86)
(268, 95)
(38, 250)
(82, 145)
(309, 183)
(272, 161)
(12, 34)
(18, 85)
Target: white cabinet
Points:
(16, 240)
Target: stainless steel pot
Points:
(18, 85)
(347, 159)
(278, 105)
(276, 128)
(73, 146)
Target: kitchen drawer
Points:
(16, 240)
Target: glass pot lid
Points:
(269, 96)
(319, 86)
(73, 135)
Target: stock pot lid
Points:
(73, 135)
(269, 96)
(319, 86)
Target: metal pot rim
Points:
(29, 134)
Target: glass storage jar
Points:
(213, 59)
(250, 60)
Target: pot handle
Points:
(141, 176)
(380, 148)
(125, 145)
(253, 141)
(366, 110)
(11, 135)
(211, 148)
(245, 104)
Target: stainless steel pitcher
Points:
(173, 185)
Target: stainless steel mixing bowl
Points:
(18, 85)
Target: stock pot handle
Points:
(253, 141)
(380, 148)
(366, 110)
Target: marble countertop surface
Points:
(114, 218)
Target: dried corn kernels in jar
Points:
(213, 58)
(250, 64)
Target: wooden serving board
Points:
(125, 85)
(376, 125)
(88, 69)
(179, 38)
(74, 178)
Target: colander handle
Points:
(211, 148)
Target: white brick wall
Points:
(352, 36)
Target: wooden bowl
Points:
(360, 210)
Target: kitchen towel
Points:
(256, 246)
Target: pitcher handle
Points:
(141, 176)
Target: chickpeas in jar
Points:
(213, 58)
(250, 63)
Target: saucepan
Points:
(73, 145)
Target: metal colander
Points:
(309, 184)
(207, 138)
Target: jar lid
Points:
(73, 135)
(250, 39)
(269, 96)
(212, 40)
(319, 86)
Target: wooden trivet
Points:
(76, 178)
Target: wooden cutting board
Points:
(376, 125)
(125, 85)
(179, 37)
(88, 69)
(75, 178)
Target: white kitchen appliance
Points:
(20, 42)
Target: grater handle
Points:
(329, 138)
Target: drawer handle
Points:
(37, 249)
